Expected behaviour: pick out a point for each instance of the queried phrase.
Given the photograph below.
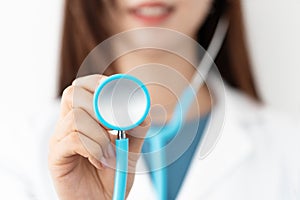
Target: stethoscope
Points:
(122, 102)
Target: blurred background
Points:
(29, 49)
(30, 34)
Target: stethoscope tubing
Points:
(120, 183)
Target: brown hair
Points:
(83, 30)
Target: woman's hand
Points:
(82, 155)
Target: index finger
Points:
(89, 83)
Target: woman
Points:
(245, 164)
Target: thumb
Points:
(137, 135)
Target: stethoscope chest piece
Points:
(121, 102)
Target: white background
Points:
(29, 49)
(273, 28)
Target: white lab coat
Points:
(256, 157)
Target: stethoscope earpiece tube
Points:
(121, 169)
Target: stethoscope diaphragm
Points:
(121, 102)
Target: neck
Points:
(166, 75)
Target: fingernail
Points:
(110, 151)
(102, 79)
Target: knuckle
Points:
(75, 82)
(78, 112)
(74, 137)
(77, 115)
(68, 94)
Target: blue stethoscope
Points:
(122, 102)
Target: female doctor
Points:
(256, 154)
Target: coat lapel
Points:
(205, 173)
(211, 165)
(212, 162)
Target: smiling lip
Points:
(151, 13)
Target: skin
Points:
(81, 150)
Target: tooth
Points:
(153, 11)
